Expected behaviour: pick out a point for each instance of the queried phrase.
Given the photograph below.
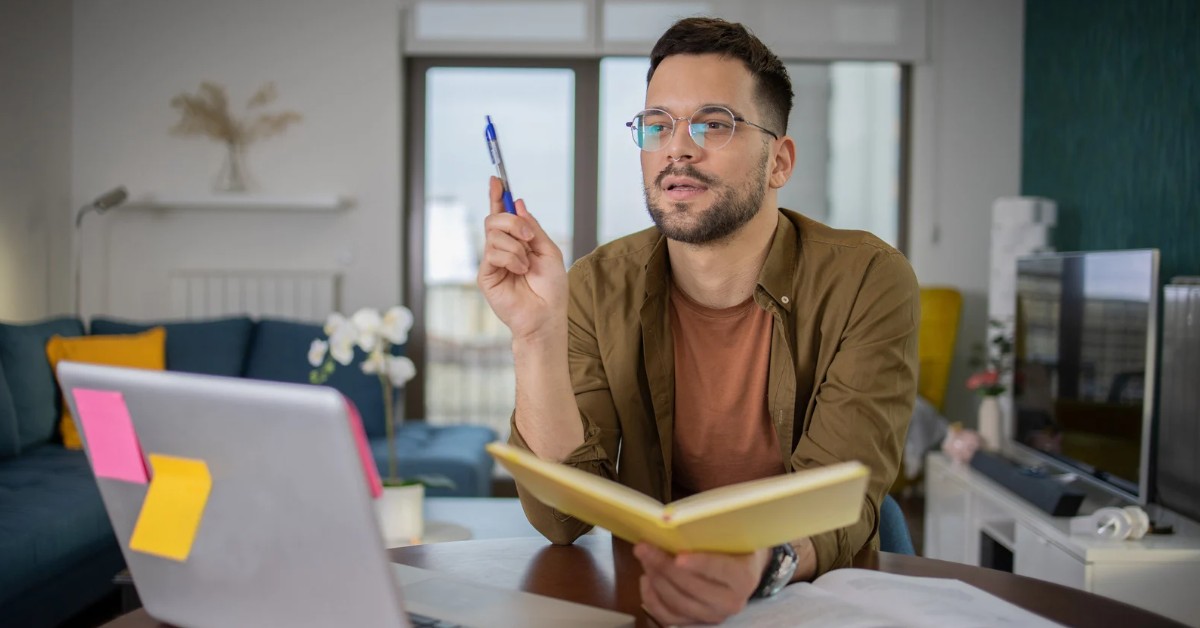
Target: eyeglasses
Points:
(711, 128)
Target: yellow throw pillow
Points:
(146, 350)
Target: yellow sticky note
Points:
(174, 505)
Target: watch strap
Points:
(778, 573)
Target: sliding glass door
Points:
(462, 350)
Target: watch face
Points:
(780, 570)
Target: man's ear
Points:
(783, 162)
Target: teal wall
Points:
(1111, 125)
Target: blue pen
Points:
(489, 134)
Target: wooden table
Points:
(601, 571)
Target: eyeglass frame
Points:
(735, 117)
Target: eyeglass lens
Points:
(710, 127)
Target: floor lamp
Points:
(100, 204)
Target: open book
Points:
(734, 519)
(858, 598)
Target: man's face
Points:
(700, 195)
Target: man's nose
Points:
(682, 146)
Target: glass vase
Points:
(232, 176)
(990, 423)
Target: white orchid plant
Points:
(375, 334)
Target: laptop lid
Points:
(286, 533)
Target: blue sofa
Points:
(58, 553)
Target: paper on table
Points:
(860, 598)
(111, 440)
(173, 508)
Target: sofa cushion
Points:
(51, 517)
(144, 350)
(279, 352)
(35, 395)
(10, 444)
(453, 451)
(213, 347)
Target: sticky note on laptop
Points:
(111, 440)
(173, 508)
(364, 450)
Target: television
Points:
(1084, 356)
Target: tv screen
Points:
(1084, 357)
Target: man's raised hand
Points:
(521, 273)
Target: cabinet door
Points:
(1039, 558)
(947, 502)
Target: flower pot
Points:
(401, 514)
(990, 422)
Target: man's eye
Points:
(655, 129)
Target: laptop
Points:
(286, 533)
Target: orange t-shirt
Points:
(723, 432)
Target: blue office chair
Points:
(893, 529)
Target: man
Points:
(734, 340)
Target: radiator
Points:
(290, 294)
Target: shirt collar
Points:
(775, 277)
(779, 269)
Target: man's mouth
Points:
(683, 186)
(680, 192)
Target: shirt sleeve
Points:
(865, 401)
(601, 433)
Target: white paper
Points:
(859, 598)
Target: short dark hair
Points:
(710, 35)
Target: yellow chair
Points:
(938, 331)
(940, 309)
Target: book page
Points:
(736, 496)
(539, 476)
(735, 519)
(860, 598)
(802, 605)
(932, 602)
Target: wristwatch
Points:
(778, 573)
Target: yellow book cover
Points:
(733, 519)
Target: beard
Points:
(732, 208)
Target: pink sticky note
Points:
(111, 440)
(370, 471)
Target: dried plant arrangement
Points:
(206, 113)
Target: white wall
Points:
(337, 63)
(35, 117)
(966, 153)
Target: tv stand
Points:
(972, 519)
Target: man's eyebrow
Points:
(707, 104)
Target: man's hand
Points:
(521, 274)
(697, 588)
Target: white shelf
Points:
(242, 202)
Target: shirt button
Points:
(784, 300)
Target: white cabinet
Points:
(968, 516)
(946, 525)
(1038, 557)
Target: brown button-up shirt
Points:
(842, 375)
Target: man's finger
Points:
(511, 262)
(505, 223)
(495, 196)
(655, 606)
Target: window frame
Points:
(585, 194)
